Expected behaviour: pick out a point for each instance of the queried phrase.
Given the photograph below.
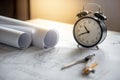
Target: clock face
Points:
(87, 32)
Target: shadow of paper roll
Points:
(15, 38)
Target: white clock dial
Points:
(87, 32)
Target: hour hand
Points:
(87, 29)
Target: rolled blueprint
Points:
(15, 38)
(41, 37)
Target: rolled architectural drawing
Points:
(15, 38)
(41, 37)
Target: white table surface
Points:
(36, 64)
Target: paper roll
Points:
(42, 37)
(20, 28)
(14, 38)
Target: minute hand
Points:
(83, 33)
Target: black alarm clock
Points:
(89, 30)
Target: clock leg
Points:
(78, 46)
(97, 47)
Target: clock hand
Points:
(86, 29)
(83, 33)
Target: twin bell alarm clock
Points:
(90, 29)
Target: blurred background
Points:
(58, 10)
